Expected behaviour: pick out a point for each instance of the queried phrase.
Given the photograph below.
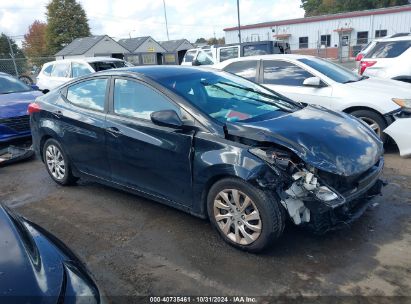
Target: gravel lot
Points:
(135, 246)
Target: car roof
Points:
(85, 59)
(157, 72)
(401, 38)
(263, 57)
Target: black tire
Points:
(369, 116)
(26, 79)
(67, 178)
(269, 209)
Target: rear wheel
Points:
(246, 217)
(57, 163)
(374, 120)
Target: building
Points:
(143, 50)
(175, 50)
(338, 35)
(92, 46)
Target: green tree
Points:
(201, 40)
(66, 21)
(6, 62)
(321, 7)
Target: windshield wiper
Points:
(356, 80)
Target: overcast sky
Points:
(189, 19)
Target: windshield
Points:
(331, 70)
(227, 97)
(107, 65)
(10, 84)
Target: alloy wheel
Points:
(55, 162)
(372, 124)
(237, 216)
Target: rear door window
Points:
(246, 69)
(284, 73)
(136, 100)
(388, 49)
(61, 70)
(89, 94)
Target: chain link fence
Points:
(26, 69)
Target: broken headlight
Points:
(307, 181)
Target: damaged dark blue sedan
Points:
(212, 144)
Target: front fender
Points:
(217, 158)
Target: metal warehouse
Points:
(338, 35)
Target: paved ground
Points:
(138, 247)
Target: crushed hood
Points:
(330, 141)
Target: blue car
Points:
(15, 96)
(213, 144)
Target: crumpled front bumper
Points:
(325, 217)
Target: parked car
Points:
(36, 267)
(372, 43)
(215, 54)
(15, 97)
(388, 58)
(399, 131)
(212, 144)
(314, 80)
(56, 73)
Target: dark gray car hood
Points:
(330, 141)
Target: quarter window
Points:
(61, 70)
(246, 69)
(136, 100)
(90, 94)
(303, 42)
(79, 69)
(47, 70)
(284, 73)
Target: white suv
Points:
(388, 58)
(56, 73)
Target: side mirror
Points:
(196, 62)
(312, 82)
(45, 91)
(166, 118)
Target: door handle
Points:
(114, 131)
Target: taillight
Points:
(33, 108)
(366, 64)
(359, 57)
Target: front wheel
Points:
(57, 163)
(374, 120)
(245, 216)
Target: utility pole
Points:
(238, 16)
(12, 56)
(165, 17)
